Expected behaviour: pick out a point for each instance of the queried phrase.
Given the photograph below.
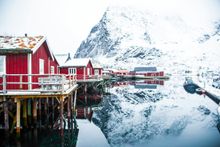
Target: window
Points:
(96, 72)
(2, 65)
(88, 71)
(72, 71)
(52, 69)
(41, 66)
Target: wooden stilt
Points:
(74, 103)
(61, 115)
(35, 111)
(25, 112)
(39, 112)
(6, 119)
(68, 107)
(53, 107)
(18, 113)
(29, 112)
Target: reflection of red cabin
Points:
(25, 55)
(81, 67)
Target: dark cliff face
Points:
(98, 42)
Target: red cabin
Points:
(82, 68)
(97, 70)
(25, 55)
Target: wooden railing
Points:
(88, 77)
(36, 82)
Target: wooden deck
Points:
(59, 89)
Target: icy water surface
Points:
(143, 115)
(134, 114)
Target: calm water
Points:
(135, 114)
(151, 115)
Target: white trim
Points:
(44, 39)
(29, 71)
(52, 70)
(41, 67)
(96, 71)
(4, 64)
(72, 71)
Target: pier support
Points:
(61, 115)
(35, 112)
(74, 103)
(25, 112)
(29, 112)
(18, 113)
(6, 118)
(39, 112)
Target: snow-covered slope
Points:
(127, 37)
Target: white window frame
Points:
(52, 69)
(72, 71)
(88, 71)
(41, 66)
(3, 65)
(96, 72)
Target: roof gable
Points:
(22, 44)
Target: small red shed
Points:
(25, 55)
(97, 69)
(81, 67)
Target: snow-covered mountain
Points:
(127, 37)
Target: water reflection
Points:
(166, 116)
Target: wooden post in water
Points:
(53, 107)
(35, 112)
(68, 106)
(18, 117)
(74, 103)
(39, 112)
(6, 119)
(25, 112)
(61, 115)
(29, 112)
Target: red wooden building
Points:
(82, 68)
(25, 55)
(97, 69)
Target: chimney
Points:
(25, 34)
(68, 57)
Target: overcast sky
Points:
(67, 22)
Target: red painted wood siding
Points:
(16, 64)
(64, 70)
(41, 53)
(79, 71)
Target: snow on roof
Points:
(96, 65)
(61, 58)
(24, 42)
(78, 62)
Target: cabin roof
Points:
(96, 65)
(61, 58)
(78, 62)
(138, 69)
(22, 44)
